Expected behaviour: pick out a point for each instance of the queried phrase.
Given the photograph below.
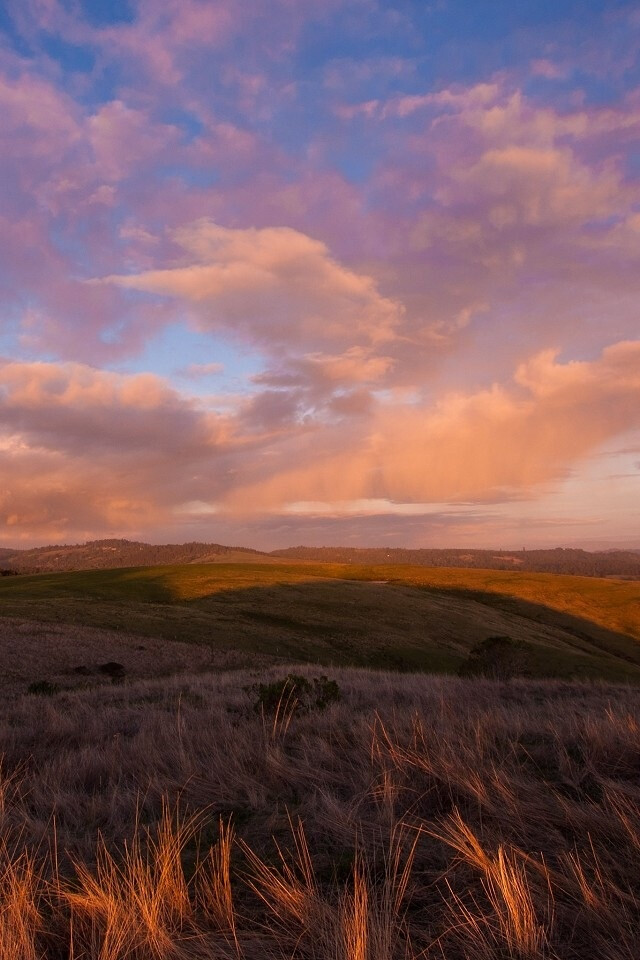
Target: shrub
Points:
(114, 670)
(297, 692)
(498, 658)
(43, 688)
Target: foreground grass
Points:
(403, 617)
(418, 817)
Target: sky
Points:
(356, 272)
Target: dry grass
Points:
(69, 655)
(420, 817)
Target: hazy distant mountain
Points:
(103, 554)
(612, 563)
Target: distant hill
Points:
(110, 554)
(610, 563)
(116, 553)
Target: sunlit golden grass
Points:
(21, 891)
(613, 604)
(419, 817)
(137, 902)
(409, 618)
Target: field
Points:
(409, 618)
(196, 807)
(417, 817)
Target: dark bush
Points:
(113, 669)
(295, 692)
(498, 657)
(43, 688)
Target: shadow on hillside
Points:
(581, 629)
(329, 621)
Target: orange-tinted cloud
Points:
(84, 450)
(275, 286)
(497, 443)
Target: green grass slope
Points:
(382, 616)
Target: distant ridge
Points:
(109, 554)
(114, 553)
(609, 563)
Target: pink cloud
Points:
(58, 167)
(124, 140)
(355, 365)
(275, 285)
(195, 371)
(547, 69)
(82, 407)
(500, 214)
(86, 449)
(39, 121)
(383, 304)
(494, 444)
(531, 186)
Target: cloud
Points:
(83, 447)
(496, 444)
(76, 408)
(38, 120)
(124, 140)
(321, 373)
(61, 168)
(495, 159)
(524, 186)
(547, 69)
(196, 371)
(276, 287)
(396, 267)
(500, 214)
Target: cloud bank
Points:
(84, 449)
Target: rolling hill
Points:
(398, 617)
(115, 553)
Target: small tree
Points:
(498, 658)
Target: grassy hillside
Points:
(108, 554)
(385, 616)
(170, 818)
(613, 604)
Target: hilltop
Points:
(117, 553)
